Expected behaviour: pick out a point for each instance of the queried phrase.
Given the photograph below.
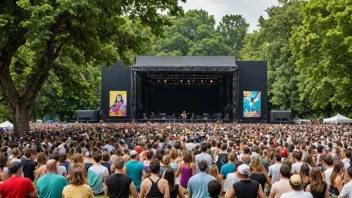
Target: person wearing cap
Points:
(135, 170)
(283, 185)
(51, 185)
(297, 190)
(245, 188)
(119, 184)
(198, 184)
(274, 170)
(17, 186)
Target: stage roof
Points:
(184, 63)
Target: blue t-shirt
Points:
(134, 170)
(51, 185)
(198, 185)
(227, 168)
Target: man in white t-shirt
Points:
(297, 191)
(328, 165)
(97, 174)
(274, 170)
(347, 159)
(296, 167)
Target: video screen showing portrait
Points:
(252, 104)
(118, 103)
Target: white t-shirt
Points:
(296, 167)
(61, 170)
(327, 175)
(297, 194)
(274, 172)
(346, 163)
(230, 179)
(347, 190)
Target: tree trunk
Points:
(21, 116)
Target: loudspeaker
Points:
(88, 115)
(205, 115)
(162, 115)
(277, 116)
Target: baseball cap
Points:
(283, 153)
(133, 152)
(244, 169)
(295, 180)
(138, 149)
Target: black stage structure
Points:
(206, 88)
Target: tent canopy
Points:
(337, 119)
(6, 124)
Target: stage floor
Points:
(183, 120)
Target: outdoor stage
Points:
(185, 89)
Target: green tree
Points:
(272, 44)
(322, 46)
(36, 35)
(234, 29)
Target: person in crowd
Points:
(258, 173)
(336, 178)
(245, 188)
(174, 188)
(297, 191)
(51, 185)
(347, 188)
(230, 166)
(274, 170)
(186, 168)
(146, 162)
(203, 156)
(77, 187)
(97, 174)
(304, 173)
(29, 164)
(297, 158)
(282, 186)
(232, 177)
(198, 184)
(222, 158)
(214, 189)
(63, 161)
(214, 171)
(17, 186)
(135, 170)
(106, 161)
(165, 164)
(41, 159)
(347, 160)
(119, 184)
(308, 159)
(328, 165)
(174, 159)
(3, 169)
(317, 187)
(154, 186)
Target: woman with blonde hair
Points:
(318, 187)
(214, 171)
(165, 164)
(77, 162)
(41, 159)
(258, 173)
(77, 187)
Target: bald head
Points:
(51, 165)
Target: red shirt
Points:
(16, 187)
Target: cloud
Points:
(251, 10)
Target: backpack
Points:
(222, 160)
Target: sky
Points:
(251, 10)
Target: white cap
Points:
(244, 169)
(133, 152)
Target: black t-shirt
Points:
(118, 185)
(28, 168)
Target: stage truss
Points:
(139, 70)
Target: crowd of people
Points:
(177, 160)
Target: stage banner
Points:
(252, 104)
(118, 103)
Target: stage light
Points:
(158, 81)
(202, 81)
(188, 81)
(211, 81)
(165, 81)
(181, 81)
